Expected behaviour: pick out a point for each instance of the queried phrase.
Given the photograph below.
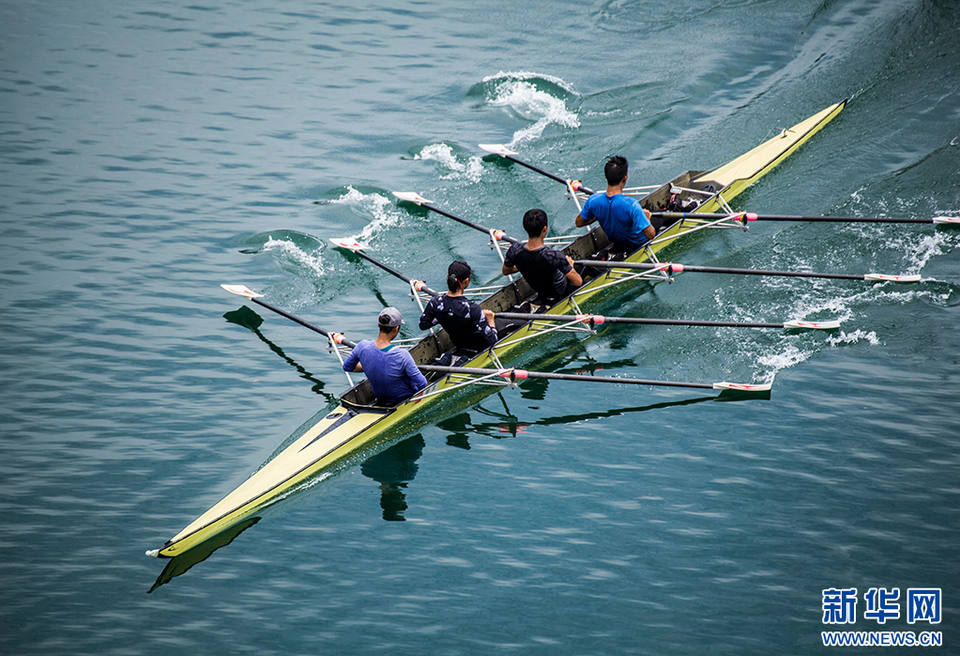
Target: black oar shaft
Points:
(705, 269)
(519, 374)
(389, 269)
(305, 324)
(471, 224)
(552, 176)
(636, 320)
(786, 217)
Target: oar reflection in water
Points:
(244, 316)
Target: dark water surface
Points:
(150, 152)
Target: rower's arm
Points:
(507, 270)
(580, 222)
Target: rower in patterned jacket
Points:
(470, 327)
(549, 272)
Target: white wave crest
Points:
(519, 93)
(857, 335)
(383, 211)
(290, 250)
(443, 154)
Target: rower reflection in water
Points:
(470, 327)
(392, 373)
(393, 469)
(549, 272)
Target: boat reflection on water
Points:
(392, 468)
(182, 563)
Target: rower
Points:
(392, 373)
(470, 327)
(549, 272)
(623, 220)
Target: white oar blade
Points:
(497, 149)
(349, 243)
(411, 197)
(884, 277)
(739, 387)
(812, 325)
(955, 220)
(242, 290)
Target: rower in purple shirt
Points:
(393, 375)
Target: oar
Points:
(503, 151)
(752, 216)
(521, 374)
(413, 197)
(357, 248)
(246, 292)
(670, 267)
(597, 319)
(675, 267)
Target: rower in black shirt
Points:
(549, 272)
(469, 326)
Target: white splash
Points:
(383, 211)
(519, 93)
(854, 337)
(290, 250)
(443, 155)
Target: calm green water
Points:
(150, 152)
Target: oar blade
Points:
(411, 197)
(349, 243)
(887, 278)
(812, 325)
(743, 387)
(242, 290)
(497, 149)
(952, 220)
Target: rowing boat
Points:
(358, 426)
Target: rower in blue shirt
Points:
(392, 373)
(622, 218)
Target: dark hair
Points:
(534, 221)
(457, 273)
(615, 170)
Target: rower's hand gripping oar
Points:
(573, 186)
(746, 217)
